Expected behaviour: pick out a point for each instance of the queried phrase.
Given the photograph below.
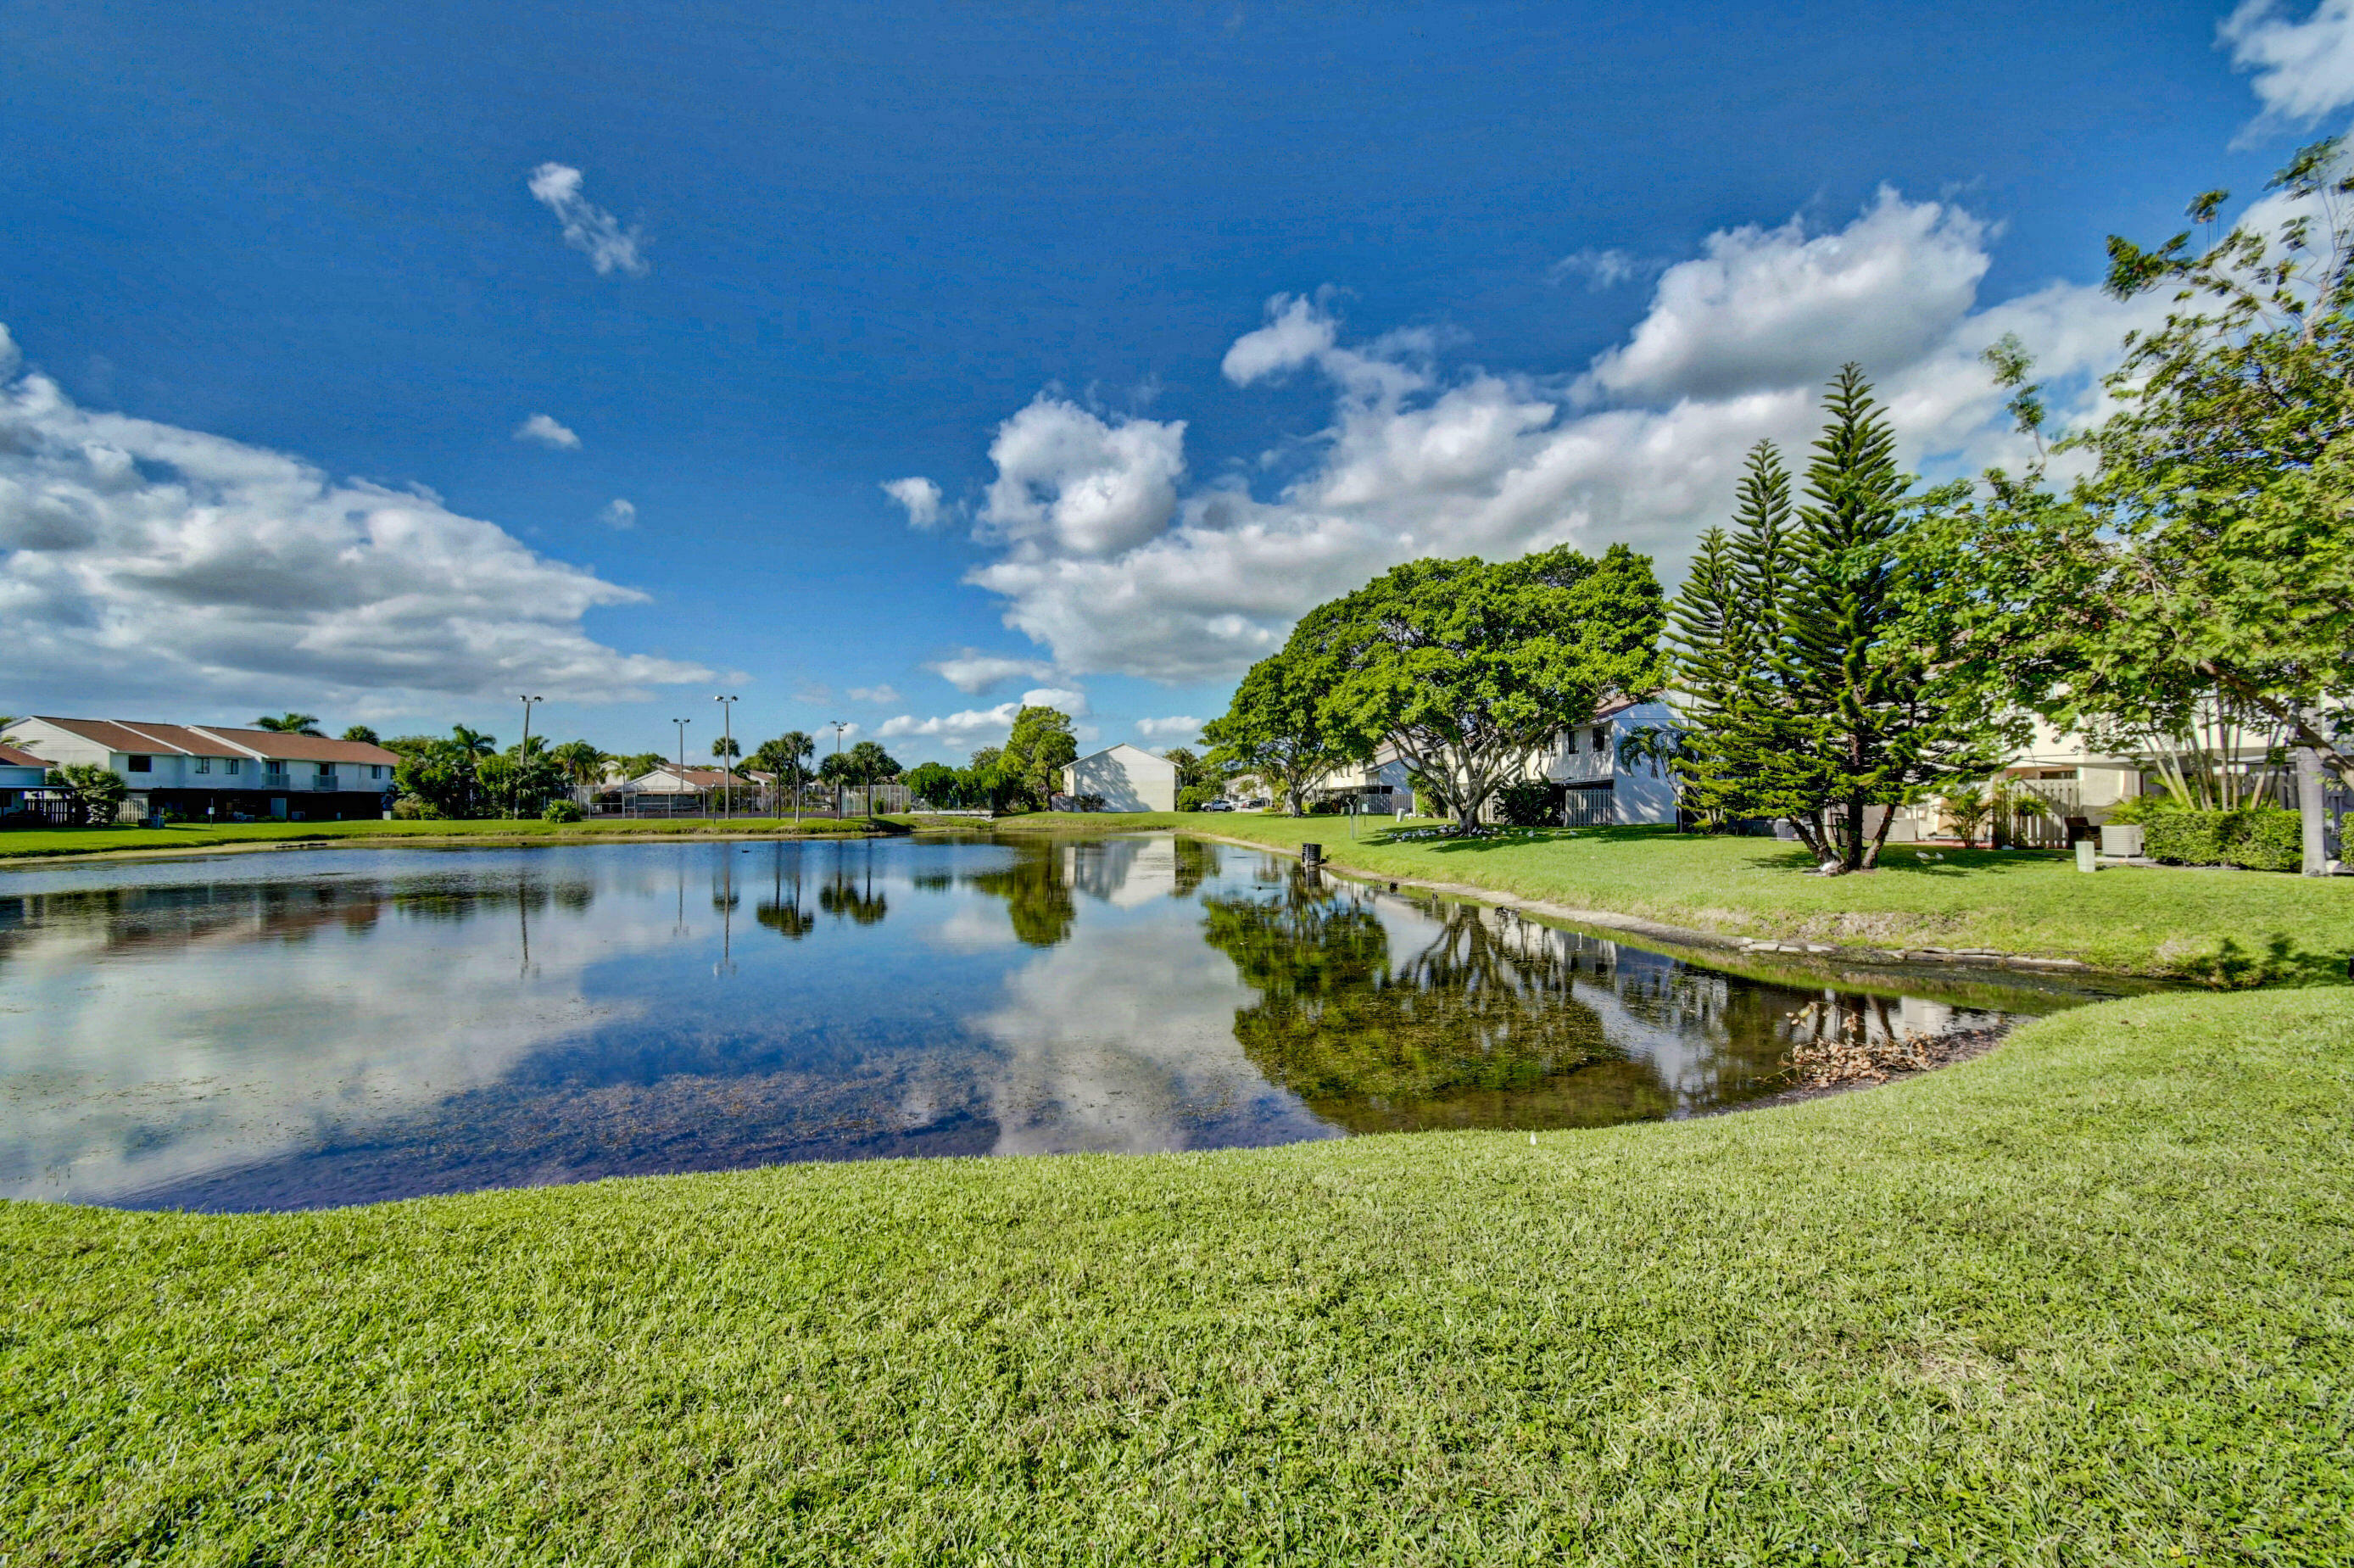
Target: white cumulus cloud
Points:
(973, 727)
(587, 227)
(619, 514)
(1069, 483)
(882, 693)
(140, 562)
(1181, 727)
(1643, 445)
(920, 496)
(2303, 70)
(1768, 307)
(546, 432)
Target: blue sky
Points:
(1189, 316)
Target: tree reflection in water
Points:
(1037, 894)
(1468, 1032)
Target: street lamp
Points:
(839, 726)
(727, 751)
(523, 755)
(682, 751)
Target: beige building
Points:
(1127, 778)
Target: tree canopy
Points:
(1040, 748)
(1470, 669)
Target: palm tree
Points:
(785, 757)
(290, 724)
(473, 745)
(582, 762)
(364, 735)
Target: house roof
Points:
(702, 777)
(216, 740)
(11, 757)
(1124, 746)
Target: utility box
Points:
(2122, 840)
(2088, 856)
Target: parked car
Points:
(1217, 805)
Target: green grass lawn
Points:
(2232, 927)
(2089, 1300)
(91, 841)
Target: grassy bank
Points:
(2089, 1300)
(39, 844)
(2232, 927)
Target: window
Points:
(326, 771)
(273, 768)
(203, 765)
(143, 765)
(376, 770)
(231, 764)
(1602, 740)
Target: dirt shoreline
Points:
(1950, 1049)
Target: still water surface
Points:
(341, 1026)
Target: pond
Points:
(304, 1029)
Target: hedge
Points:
(2260, 838)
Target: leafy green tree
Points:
(1040, 748)
(786, 758)
(1278, 727)
(362, 734)
(92, 793)
(1469, 669)
(933, 782)
(2207, 562)
(441, 773)
(638, 764)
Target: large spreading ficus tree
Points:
(1470, 669)
(1276, 729)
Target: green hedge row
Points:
(2261, 838)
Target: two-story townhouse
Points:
(219, 772)
(21, 773)
(1601, 782)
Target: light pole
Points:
(839, 726)
(682, 749)
(523, 755)
(727, 752)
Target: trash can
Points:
(2087, 855)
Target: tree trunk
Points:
(2311, 809)
(1879, 838)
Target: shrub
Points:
(92, 793)
(2260, 838)
(410, 809)
(1194, 797)
(561, 812)
(1531, 803)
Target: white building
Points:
(19, 772)
(217, 773)
(1129, 778)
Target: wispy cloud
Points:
(2303, 68)
(546, 432)
(1601, 269)
(1181, 727)
(973, 671)
(882, 693)
(619, 514)
(587, 227)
